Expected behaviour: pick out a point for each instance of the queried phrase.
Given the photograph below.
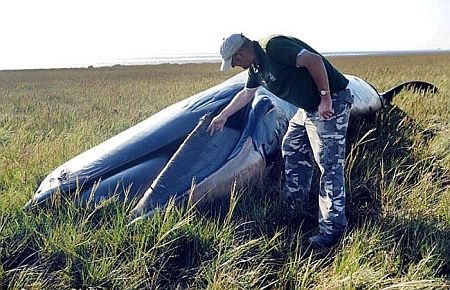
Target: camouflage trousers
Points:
(309, 138)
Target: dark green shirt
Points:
(275, 69)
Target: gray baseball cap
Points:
(229, 46)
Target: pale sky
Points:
(51, 33)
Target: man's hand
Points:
(216, 124)
(314, 64)
(239, 101)
(326, 108)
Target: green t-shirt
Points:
(276, 70)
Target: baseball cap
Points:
(229, 46)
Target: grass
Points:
(398, 177)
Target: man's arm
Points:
(316, 68)
(238, 102)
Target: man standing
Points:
(295, 72)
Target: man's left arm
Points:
(316, 68)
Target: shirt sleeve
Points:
(284, 50)
(252, 81)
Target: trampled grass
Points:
(398, 178)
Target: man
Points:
(295, 72)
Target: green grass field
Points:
(398, 204)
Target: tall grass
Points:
(398, 177)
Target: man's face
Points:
(242, 59)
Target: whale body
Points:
(170, 155)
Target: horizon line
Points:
(207, 57)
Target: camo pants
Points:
(309, 138)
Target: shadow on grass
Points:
(379, 154)
(388, 160)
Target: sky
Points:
(66, 33)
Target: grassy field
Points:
(398, 178)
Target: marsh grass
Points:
(398, 204)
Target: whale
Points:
(170, 156)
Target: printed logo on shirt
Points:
(272, 78)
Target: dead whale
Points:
(160, 157)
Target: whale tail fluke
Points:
(421, 86)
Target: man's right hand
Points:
(216, 124)
(241, 99)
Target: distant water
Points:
(202, 58)
(170, 59)
(215, 58)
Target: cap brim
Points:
(226, 65)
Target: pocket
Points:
(343, 96)
(333, 152)
(341, 107)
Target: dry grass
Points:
(398, 180)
